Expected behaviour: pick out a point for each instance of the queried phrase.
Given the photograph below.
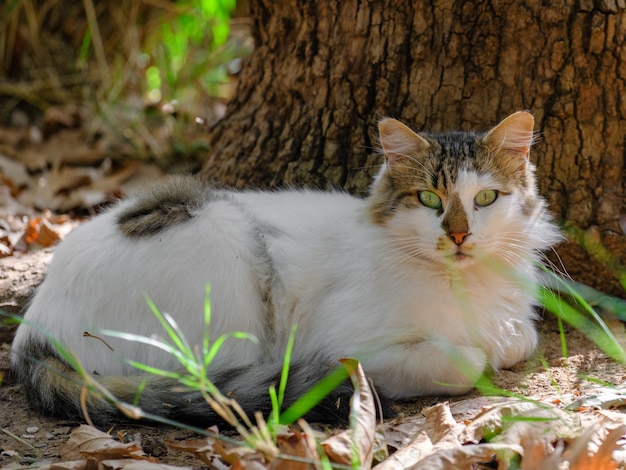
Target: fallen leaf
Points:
(463, 457)
(510, 421)
(440, 425)
(48, 235)
(207, 450)
(409, 455)
(439, 432)
(399, 432)
(358, 442)
(294, 444)
(605, 399)
(582, 459)
(539, 454)
(87, 441)
(122, 464)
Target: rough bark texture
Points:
(323, 73)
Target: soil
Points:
(27, 438)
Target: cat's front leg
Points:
(425, 368)
(516, 345)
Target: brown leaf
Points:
(89, 464)
(510, 422)
(48, 235)
(87, 441)
(440, 425)
(207, 450)
(418, 449)
(582, 459)
(358, 441)
(463, 457)
(295, 444)
(439, 432)
(539, 454)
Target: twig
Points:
(18, 439)
(86, 334)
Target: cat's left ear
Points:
(513, 136)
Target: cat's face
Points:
(459, 197)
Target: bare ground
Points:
(27, 438)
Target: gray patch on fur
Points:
(164, 206)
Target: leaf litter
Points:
(509, 433)
(58, 167)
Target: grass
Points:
(261, 435)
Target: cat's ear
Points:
(398, 141)
(513, 136)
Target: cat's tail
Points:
(54, 388)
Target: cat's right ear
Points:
(398, 141)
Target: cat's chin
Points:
(459, 259)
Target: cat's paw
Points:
(431, 368)
(517, 348)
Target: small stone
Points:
(27, 436)
(10, 453)
(32, 429)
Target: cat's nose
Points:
(458, 237)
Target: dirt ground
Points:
(27, 438)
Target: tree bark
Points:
(323, 73)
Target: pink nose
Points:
(458, 237)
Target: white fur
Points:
(353, 288)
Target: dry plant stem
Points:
(96, 39)
(311, 442)
(18, 439)
(83, 406)
(89, 335)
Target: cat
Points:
(427, 281)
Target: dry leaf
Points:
(440, 425)
(408, 455)
(359, 441)
(87, 441)
(606, 398)
(581, 459)
(401, 431)
(90, 464)
(48, 235)
(439, 432)
(295, 444)
(463, 457)
(509, 422)
(539, 454)
(207, 450)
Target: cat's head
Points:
(458, 197)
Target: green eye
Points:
(486, 197)
(430, 199)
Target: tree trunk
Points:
(323, 73)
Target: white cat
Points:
(426, 281)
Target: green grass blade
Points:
(186, 362)
(311, 398)
(599, 333)
(217, 344)
(286, 364)
(177, 339)
(206, 338)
